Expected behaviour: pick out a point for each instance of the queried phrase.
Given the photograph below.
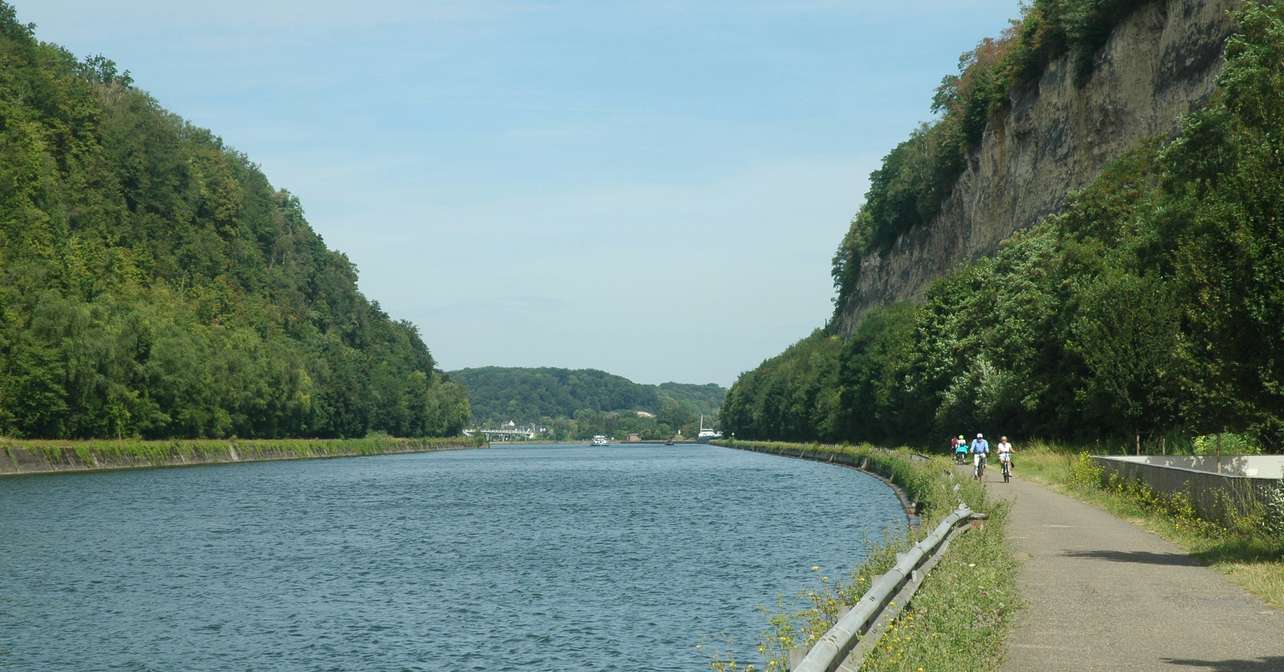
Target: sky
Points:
(652, 188)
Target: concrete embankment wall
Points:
(1260, 466)
(1215, 496)
(44, 457)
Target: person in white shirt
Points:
(1005, 451)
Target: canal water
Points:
(546, 558)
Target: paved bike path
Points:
(1103, 594)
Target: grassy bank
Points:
(960, 616)
(1248, 551)
(36, 456)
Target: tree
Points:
(154, 283)
(1127, 333)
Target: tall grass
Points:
(958, 618)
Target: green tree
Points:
(1127, 332)
(154, 283)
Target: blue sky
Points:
(650, 188)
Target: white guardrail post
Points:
(829, 651)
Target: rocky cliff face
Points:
(1159, 64)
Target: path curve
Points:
(1103, 594)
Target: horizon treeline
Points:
(154, 284)
(578, 403)
(1151, 306)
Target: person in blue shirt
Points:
(980, 448)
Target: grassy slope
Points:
(961, 615)
(1246, 554)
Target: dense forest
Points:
(154, 284)
(575, 403)
(1150, 308)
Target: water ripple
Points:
(527, 558)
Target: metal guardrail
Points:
(829, 652)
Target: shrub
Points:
(1232, 444)
(1273, 518)
(1084, 473)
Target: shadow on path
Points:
(1177, 614)
(1268, 664)
(1143, 557)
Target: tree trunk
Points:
(1138, 434)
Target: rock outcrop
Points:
(1159, 64)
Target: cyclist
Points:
(1005, 451)
(980, 448)
(960, 449)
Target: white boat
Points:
(599, 440)
(707, 435)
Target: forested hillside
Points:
(1151, 307)
(153, 283)
(583, 402)
(705, 399)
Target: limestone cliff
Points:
(1159, 64)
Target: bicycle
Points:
(1007, 468)
(979, 469)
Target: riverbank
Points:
(21, 457)
(943, 627)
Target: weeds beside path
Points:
(1106, 595)
(1097, 592)
(960, 616)
(1247, 556)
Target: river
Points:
(532, 558)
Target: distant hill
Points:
(706, 399)
(500, 394)
(154, 283)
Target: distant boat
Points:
(707, 435)
(599, 440)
